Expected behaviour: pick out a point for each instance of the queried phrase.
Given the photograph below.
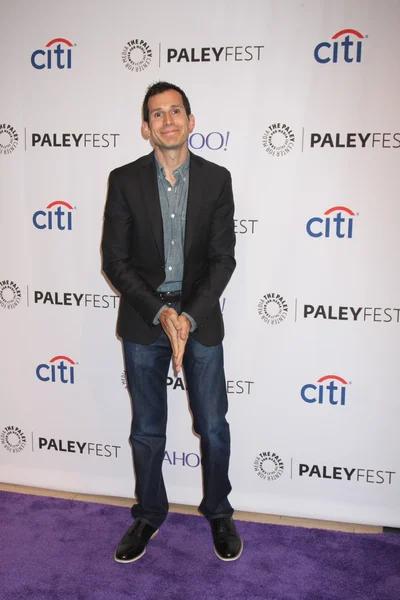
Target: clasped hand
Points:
(177, 329)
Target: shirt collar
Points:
(182, 171)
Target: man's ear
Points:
(145, 130)
(192, 123)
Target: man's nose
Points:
(167, 118)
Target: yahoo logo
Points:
(342, 226)
(213, 141)
(54, 219)
(57, 370)
(335, 394)
(329, 52)
(42, 59)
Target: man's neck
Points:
(171, 160)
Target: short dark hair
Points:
(159, 88)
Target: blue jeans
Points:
(147, 371)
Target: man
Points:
(168, 248)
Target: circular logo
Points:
(278, 139)
(273, 309)
(268, 466)
(136, 55)
(8, 139)
(13, 439)
(10, 294)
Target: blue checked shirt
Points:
(173, 202)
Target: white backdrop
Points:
(307, 122)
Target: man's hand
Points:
(183, 334)
(170, 323)
(177, 330)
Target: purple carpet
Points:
(55, 549)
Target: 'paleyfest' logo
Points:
(75, 299)
(58, 55)
(326, 52)
(10, 294)
(136, 55)
(352, 474)
(375, 314)
(278, 139)
(8, 138)
(54, 217)
(332, 226)
(268, 465)
(324, 393)
(355, 140)
(273, 309)
(77, 447)
(13, 439)
(60, 369)
(214, 54)
(74, 140)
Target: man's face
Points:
(169, 126)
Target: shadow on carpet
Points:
(54, 549)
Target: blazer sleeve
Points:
(116, 244)
(221, 258)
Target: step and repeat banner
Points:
(299, 100)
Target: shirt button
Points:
(169, 189)
(169, 268)
(172, 216)
(173, 243)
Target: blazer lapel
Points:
(148, 180)
(193, 202)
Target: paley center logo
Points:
(13, 439)
(337, 222)
(59, 369)
(136, 55)
(278, 139)
(58, 54)
(333, 392)
(58, 215)
(10, 294)
(273, 308)
(8, 138)
(268, 466)
(345, 45)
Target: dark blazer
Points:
(133, 247)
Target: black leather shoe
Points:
(133, 543)
(228, 544)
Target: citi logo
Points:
(333, 392)
(60, 369)
(54, 217)
(346, 48)
(58, 55)
(332, 225)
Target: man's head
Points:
(159, 88)
(167, 119)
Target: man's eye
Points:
(157, 115)
(176, 110)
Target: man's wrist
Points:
(193, 324)
(156, 320)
